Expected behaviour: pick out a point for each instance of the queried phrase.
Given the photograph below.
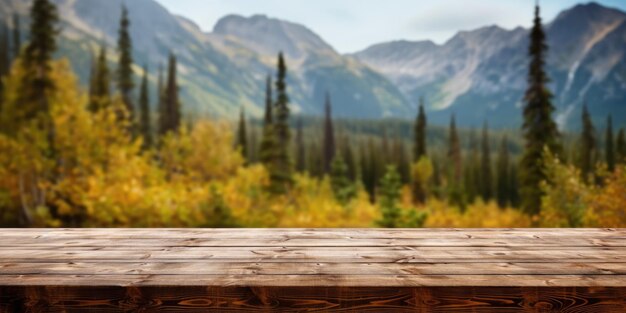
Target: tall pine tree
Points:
(329, 135)
(100, 89)
(540, 130)
(242, 134)
(125, 82)
(486, 177)
(145, 123)
(171, 104)
(455, 183)
(420, 133)
(502, 179)
(281, 174)
(588, 146)
(37, 61)
(609, 148)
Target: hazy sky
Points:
(352, 25)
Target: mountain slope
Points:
(219, 74)
(481, 74)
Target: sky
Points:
(353, 25)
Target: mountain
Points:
(316, 68)
(221, 71)
(481, 74)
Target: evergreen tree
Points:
(540, 131)
(503, 180)
(145, 126)
(300, 149)
(125, 83)
(420, 133)
(242, 134)
(37, 58)
(472, 169)
(350, 160)
(609, 149)
(281, 173)
(343, 188)
(17, 36)
(253, 147)
(588, 146)
(454, 153)
(329, 135)
(455, 190)
(620, 148)
(171, 104)
(100, 93)
(390, 191)
(486, 183)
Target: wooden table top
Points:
(314, 257)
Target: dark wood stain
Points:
(71, 270)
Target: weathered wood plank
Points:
(212, 268)
(318, 280)
(294, 233)
(155, 241)
(323, 254)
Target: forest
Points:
(99, 156)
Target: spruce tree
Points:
(486, 183)
(100, 94)
(455, 189)
(420, 133)
(300, 148)
(242, 134)
(390, 192)
(503, 180)
(588, 146)
(343, 189)
(281, 175)
(17, 36)
(348, 155)
(454, 153)
(609, 148)
(540, 130)
(145, 124)
(125, 83)
(329, 136)
(620, 148)
(171, 103)
(253, 146)
(472, 170)
(37, 59)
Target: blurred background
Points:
(194, 113)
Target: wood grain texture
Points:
(309, 270)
